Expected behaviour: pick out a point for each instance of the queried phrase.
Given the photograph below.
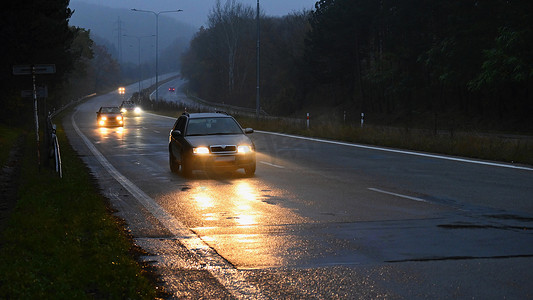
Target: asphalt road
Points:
(319, 220)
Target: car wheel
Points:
(186, 169)
(250, 170)
(174, 165)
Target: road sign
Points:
(39, 69)
(42, 92)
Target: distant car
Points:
(171, 89)
(121, 90)
(129, 106)
(210, 141)
(109, 116)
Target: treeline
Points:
(440, 63)
(38, 32)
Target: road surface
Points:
(320, 219)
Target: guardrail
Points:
(53, 150)
(53, 146)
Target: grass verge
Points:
(496, 147)
(62, 241)
(480, 145)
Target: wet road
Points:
(320, 219)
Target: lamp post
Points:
(139, 53)
(156, 44)
(257, 106)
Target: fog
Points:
(195, 11)
(126, 33)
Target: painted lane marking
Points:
(221, 269)
(272, 165)
(398, 195)
(457, 159)
(501, 165)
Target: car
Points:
(109, 116)
(128, 106)
(210, 142)
(171, 89)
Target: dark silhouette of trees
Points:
(441, 63)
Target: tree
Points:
(34, 32)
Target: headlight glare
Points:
(243, 149)
(200, 150)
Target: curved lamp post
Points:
(156, 44)
(139, 53)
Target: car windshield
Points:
(110, 110)
(210, 126)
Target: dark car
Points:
(109, 116)
(171, 89)
(210, 141)
(128, 107)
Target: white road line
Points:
(272, 165)
(458, 159)
(501, 165)
(397, 195)
(222, 270)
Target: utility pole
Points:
(257, 105)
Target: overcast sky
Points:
(195, 11)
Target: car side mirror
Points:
(176, 133)
(248, 130)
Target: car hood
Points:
(208, 140)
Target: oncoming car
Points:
(109, 116)
(128, 106)
(210, 141)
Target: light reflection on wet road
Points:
(314, 205)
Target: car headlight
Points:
(119, 118)
(243, 149)
(137, 110)
(103, 118)
(123, 110)
(200, 150)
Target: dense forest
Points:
(442, 62)
(38, 32)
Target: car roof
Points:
(208, 115)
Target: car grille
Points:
(222, 149)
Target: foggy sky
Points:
(195, 11)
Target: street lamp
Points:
(257, 105)
(156, 44)
(139, 52)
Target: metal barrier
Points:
(53, 146)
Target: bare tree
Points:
(230, 23)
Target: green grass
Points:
(497, 147)
(62, 241)
(8, 136)
(480, 145)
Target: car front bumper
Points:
(222, 162)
